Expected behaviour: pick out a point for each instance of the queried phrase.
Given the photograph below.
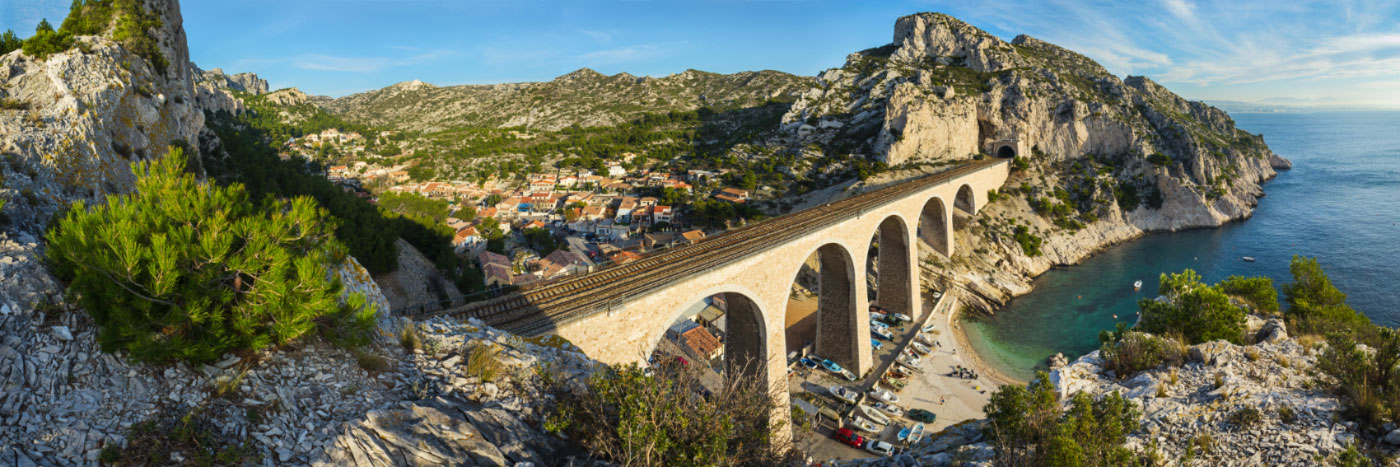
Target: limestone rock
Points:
(1393, 437)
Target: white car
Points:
(844, 393)
(879, 448)
(883, 395)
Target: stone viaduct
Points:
(618, 315)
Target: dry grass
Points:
(482, 362)
(227, 386)
(371, 362)
(1252, 354)
(410, 338)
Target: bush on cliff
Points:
(185, 270)
(1027, 427)
(1127, 352)
(1367, 379)
(1195, 311)
(627, 416)
(1315, 306)
(1259, 292)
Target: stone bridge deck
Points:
(541, 308)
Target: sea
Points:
(1340, 203)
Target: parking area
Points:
(813, 386)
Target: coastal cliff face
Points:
(1101, 160)
(1189, 412)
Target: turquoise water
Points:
(1340, 203)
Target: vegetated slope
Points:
(584, 98)
(1099, 159)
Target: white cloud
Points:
(621, 55)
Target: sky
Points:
(1341, 53)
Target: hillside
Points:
(1099, 160)
(584, 98)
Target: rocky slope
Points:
(1299, 423)
(1107, 159)
(584, 97)
(70, 128)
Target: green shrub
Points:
(1197, 312)
(634, 417)
(1027, 426)
(1368, 382)
(1287, 414)
(1020, 163)
(370, 362)
(1258, 291)
(1246, 418)
(1128, 352)
(46, 42)
(1315, 306)
(1030, 243)
(185, 270)
(9, 42)
(1159, 159)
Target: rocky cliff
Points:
(71, 125)
(76, 120)
(1195, 407)
(1100, 159)
(584, 97)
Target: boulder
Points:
(1393, 437)
(1273, 331)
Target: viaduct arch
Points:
(613, 314)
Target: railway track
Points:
(540, 307)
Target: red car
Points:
(850, 438)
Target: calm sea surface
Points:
(1340, 203)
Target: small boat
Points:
(848, 375)
(1137, 285)
(883, 333)
(924, 339)
(843, 393)
(876, 344)
(928, 328)
(874, 415)
(1248, 259)
(908, 367)
(908, 360)
(893, 383)
(897, 375)
(865, 425)
(809, 364)
(883, 396)
(831, 366)
(903, 317)
(917, 434)
(920, 348)
(903, 433)
(891, 409)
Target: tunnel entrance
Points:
(1006, 151)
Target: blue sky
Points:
(1303, 53)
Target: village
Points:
(584, 219)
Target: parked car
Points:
(850, 438)
(879, 448)
(923, 415)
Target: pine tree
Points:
(185, 270)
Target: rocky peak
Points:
(242, 82)
(288, 97)
(412, 85)
(935, 35)
(581, 74)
